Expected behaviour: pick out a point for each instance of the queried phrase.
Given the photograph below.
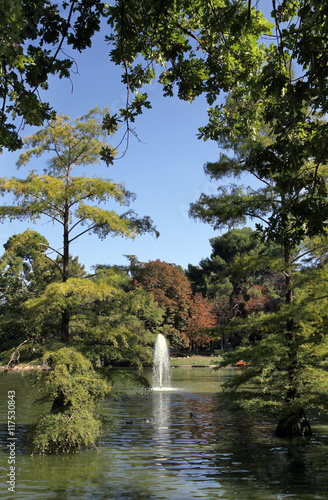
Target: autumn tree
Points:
(66, 199)
(201, 319)
(171, 291)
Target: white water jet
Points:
(161, 364)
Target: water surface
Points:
(178, 444)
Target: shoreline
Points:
(22, 368)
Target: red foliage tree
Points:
(172, 291)
(202, 317)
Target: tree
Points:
(201, 319)
(33, 38)
(120, 328)
(281, 202)
(219, 274)
(238, 277)
(25, 272)
(171, 291)
(269, 358)
(66, 199)
(74, 389)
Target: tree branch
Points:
(16, 351)
(83, 232)
(68, 22)
(6, 91)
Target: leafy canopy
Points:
(74, 388)
(78, 204)
(66, 199)
(33, 38)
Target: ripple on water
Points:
(157, 451)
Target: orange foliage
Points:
(172, 291)
(201, 319)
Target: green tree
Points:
(220, 273)
(66, 199)
(280, 201)
(25, 272)
(239, 278)
(33, 36)
(118, 329)
(73, 388)
(268, 359)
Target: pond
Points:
(178, 444)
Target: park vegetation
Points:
(262, 293)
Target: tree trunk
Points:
(65, 326)
(66, 243)
(294, 424)
(59, 405)
(65, 313)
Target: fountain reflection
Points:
(162, 428)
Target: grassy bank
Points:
(196, 361)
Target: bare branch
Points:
(16, 352)
(6, 91)
(90, 228)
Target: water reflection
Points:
(162, 428)
(172, 445)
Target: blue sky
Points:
(165, 170)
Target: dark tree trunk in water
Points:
(294, 424)
(59, 405)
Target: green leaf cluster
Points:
(31, 41)
(202, 47)
(69, 200)
(121, 329)
(269, 374)
(74, 388)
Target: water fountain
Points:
(161, 365)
